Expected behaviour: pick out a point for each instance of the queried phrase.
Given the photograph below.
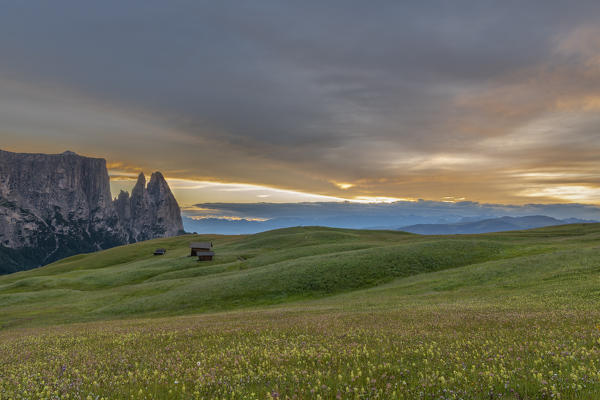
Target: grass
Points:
(311, 312)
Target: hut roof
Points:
(201, 245)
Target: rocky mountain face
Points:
(151, 211)
(56, 205)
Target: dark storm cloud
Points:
(325, 91)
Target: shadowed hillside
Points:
(267, 268)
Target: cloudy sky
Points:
(490, 101)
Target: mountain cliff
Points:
(150, 211)
(56, 205)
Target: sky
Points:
(245, 101)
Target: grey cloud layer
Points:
(400, 98)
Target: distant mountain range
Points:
(490, 225)
(248, 218)
(243, 226)
(358, 221)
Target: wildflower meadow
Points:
(521, 324)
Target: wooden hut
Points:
(205, 255)
(200, 247)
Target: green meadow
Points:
(312, 312)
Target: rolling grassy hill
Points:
(266, 268)
(311, 310)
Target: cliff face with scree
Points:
(56, 205)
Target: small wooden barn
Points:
(200, 247)
(160, 252)
(205, 255)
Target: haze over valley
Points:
(241, 218)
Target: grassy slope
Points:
(301, 263)
(383, 315)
